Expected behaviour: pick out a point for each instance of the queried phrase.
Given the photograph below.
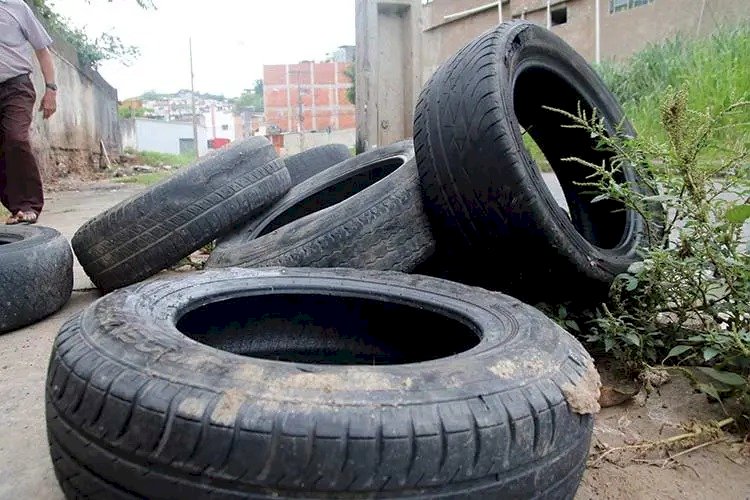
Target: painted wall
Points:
(143, 134)
(86, 114)
(400, 43)
(294, 143)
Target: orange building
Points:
(315, 91)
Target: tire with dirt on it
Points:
(36, 274)
(383, 227)
(315, 383)
(326, 189)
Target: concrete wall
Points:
(294, 143)
(400, 43)
(86, 114)
(143, 134)
(628, 31)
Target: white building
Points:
(220, 124)
(143, 134)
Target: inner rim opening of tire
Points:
(320, 328)
(7, 240)
(346, 188)
(604, 223)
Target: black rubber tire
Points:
(321, 191)
(304, 165)
(36, 274)
(484, 194)
(382, 228)
(155, 229)
(135, 408)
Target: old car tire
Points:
(485, 196)
(36, 274)
(304, 165)
(156, 228)
(319, 192)
(313, 383)
(383, 227)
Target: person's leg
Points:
(23, 183)
(3, 182)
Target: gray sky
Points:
(232, 39)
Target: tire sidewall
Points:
(136, 326)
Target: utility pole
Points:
(597, 33)
(192, 99)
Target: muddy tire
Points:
(382, 228)
(484, 194)
(304, 165)
(36, 274)
(312, 383)
(156, 228)
(332, 186)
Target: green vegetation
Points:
(687, 304)
(251, 98)
(155, 159)
(714, 71)
(351, 73)
(124, 111)
(148, 179)
(91, 51)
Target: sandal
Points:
(23, 218)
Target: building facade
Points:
(400, 43)
(308, 96)
(144, 134)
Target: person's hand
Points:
(49, 103)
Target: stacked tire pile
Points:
(316, 358)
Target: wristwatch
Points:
(52, 87)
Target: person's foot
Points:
(23, 218)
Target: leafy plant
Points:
(91, 51)
(351, 74)
(687, 303)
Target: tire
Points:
(382, 228)
(156, 228)
(485, 195)
(36, 274)
(304, 165)
(341, 398)
(321, 191)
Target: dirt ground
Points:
(716, 472)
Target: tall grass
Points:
(715, 72)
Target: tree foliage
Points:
(91, 51)
(251, 98)
(351, 73)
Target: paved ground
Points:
(26, 472)
(25, 469)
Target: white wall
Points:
(164, 137)
(294, 143)
(86, 116)
(221, 119)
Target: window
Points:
(558, 16)
(225, 127)
(618, 5)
